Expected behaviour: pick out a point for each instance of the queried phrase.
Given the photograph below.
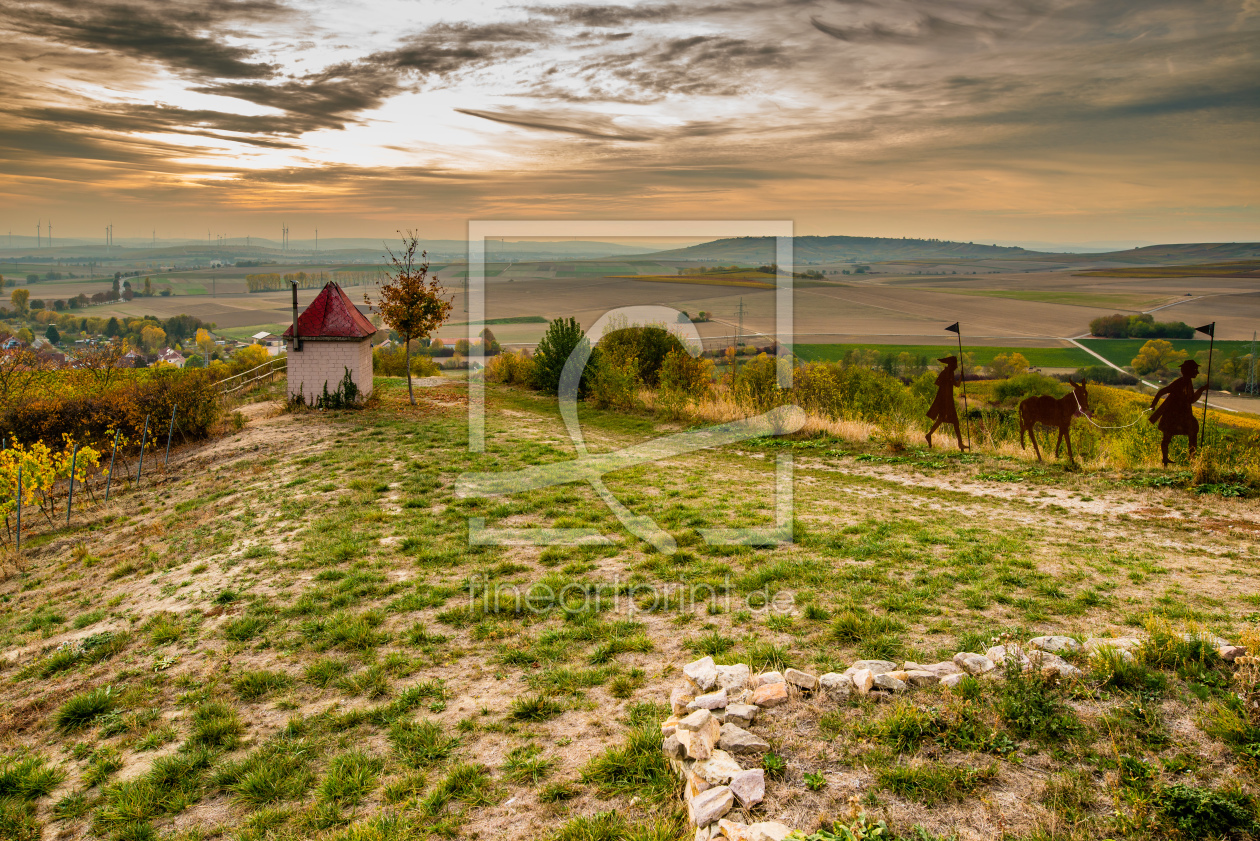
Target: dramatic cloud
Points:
(963, 118)
(188, 37)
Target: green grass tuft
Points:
(83, 709)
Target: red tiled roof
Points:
(331, 315)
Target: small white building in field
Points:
(332, 337)
(273, 343)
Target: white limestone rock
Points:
(922, 677)
(863, 680)
(801, 680)
(711, 701)
(703, 673)
(733, 678)
(887, 682)
(1055, 644)
(1007, 655)
(769, 831)
(739, 741)
(749, 787)
(973, 664)
(837, 686)
(718, 769)
(706, 807)
(741, 715)
(876, 667)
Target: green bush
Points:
(557, 345)
(1203, 813)
(614, 383)
(392, 362)
(757, 382)
(682, 373)
(510, 368)
(647, 346)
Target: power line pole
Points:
(39, 234)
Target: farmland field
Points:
(1000, 306)
(1239, 268)
(1130, 302)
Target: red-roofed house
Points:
(332, 336)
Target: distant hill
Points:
(1194, 252)
(884, 249)
(830, 249)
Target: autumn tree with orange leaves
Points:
(411, 303)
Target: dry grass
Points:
(311, 539)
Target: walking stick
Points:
(1210, 330)
(962, 370)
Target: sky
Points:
(973, 120)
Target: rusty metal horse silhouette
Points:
(1056, 413)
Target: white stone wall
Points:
(319, 362)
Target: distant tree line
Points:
(1143, 326)
(275, 282)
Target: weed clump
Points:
(1203, 813)
(215, 725)
(637, 766)
(932, 782)
(1031, 705)
(85, 708)
(421, 743)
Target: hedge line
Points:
(92, 417)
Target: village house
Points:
(170, 356)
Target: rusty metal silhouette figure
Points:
(943, 409)
(1057, 413)
(1175, 416)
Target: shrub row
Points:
(92, 417)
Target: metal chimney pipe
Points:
(297, 341)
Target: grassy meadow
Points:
(290, 636)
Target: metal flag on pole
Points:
(1210, 331)
(962, 372)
